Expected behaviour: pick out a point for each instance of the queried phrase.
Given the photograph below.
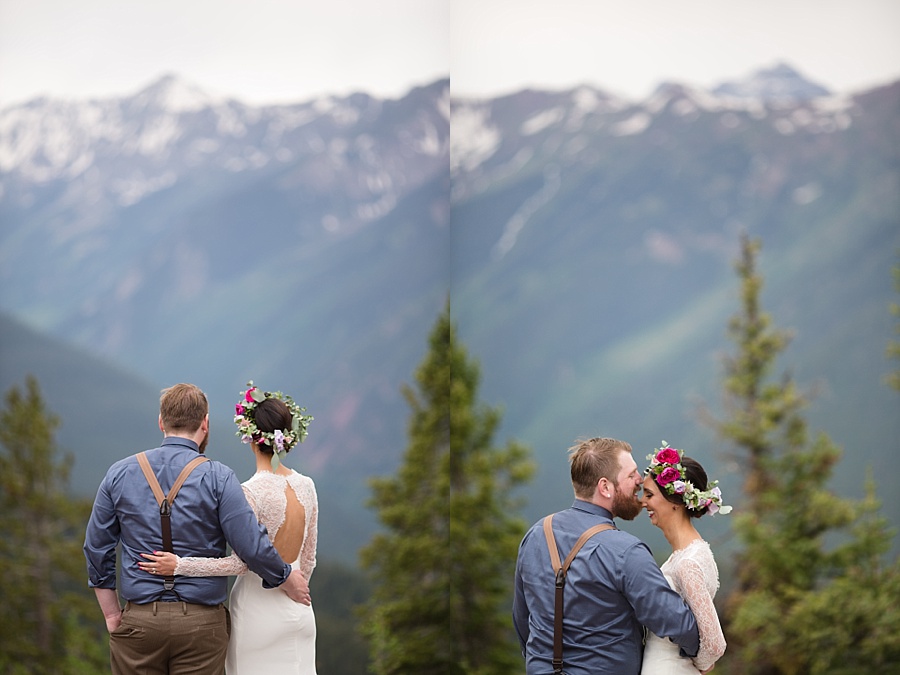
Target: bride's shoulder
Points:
(297, 477)
(699, 547)
(302, 484)
(700, 551)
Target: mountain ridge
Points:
(586, 244)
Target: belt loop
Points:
(184, 607)
(154, 608)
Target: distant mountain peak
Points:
(172, 93)
(779, 83)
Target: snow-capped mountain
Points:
(120, 150)
(494, 137)
(779, 83)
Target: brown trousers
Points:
(170, 638)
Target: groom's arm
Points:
(108, 599)
(656, 605)
(247, 536)
(520, 608)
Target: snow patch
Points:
(541, 121)
(807, 194)
(472, 138)
(131, 190)
(635, 124)
(528, 208)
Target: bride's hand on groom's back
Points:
(160, 563)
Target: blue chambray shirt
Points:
(613, 588)
(209, 510)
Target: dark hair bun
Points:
(695, 474)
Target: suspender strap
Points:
(561, 569)
(165, 502)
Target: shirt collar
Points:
(185, 442)
(590, 507)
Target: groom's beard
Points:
(625, 506)
(204, 443)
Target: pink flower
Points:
(668, 456)
(668, 475)
(238, 409)
(247, 396)
(712, 507)
(679, 487)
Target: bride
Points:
(675, 492)
(270, 633)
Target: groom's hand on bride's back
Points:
(297, 588)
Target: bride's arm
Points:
(210, 567)
(308, 552)
(166, 564)
(690, 579)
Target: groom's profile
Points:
(613, 586)
(173, 493)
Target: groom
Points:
(613, 587)
(184, 629)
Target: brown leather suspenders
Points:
(165, 502)
(561, 569)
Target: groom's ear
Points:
(161, 427)
(603, 487)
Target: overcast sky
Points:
(630, 46)
(264, 51)
(260, 51)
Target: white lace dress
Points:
(692, 572)
(270, 633)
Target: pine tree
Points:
(779, 617)
(443, 565)
(49, 622)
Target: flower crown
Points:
(280, 440)
(667, 471)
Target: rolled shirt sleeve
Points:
(101, 539)
(520, 607)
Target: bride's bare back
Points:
(289, 538)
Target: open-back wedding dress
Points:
(271, 633)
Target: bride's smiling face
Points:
(658, 507)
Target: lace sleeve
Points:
(215, 567)
(695, 591)
(211, 567)
(308, 552)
